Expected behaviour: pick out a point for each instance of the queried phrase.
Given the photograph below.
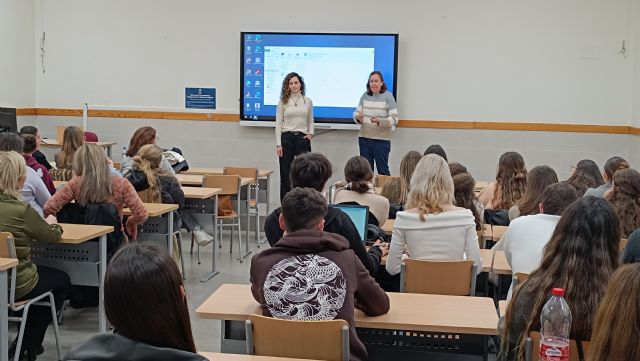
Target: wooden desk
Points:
(196, 180)
(387, 227)
(215, 356)
(502, 307)
(200, 193)
(415, 312)
(494, 263)
(71, 252)
(5, 265)
(52, 143)
(493, 233)
(262, 173)
(154, 209)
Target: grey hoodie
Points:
(114, 347)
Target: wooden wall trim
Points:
(405, 123)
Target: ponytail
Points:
(151, 194)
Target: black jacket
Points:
(112, 347)
(42, 159)
(335, 221)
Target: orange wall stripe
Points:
(405, 123)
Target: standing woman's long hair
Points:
(587, 175)
(625, 199)
(616, 328)
(142, 136)
(580, 257)
(148, 161)
(538, 179)
(285, 93)
(90, 163)
(463, 191)
(144, 299)
(73, 138)
(512, 180)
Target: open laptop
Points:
(359, 216)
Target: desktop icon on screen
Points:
(258, 94)
(257, 106)
(248, 71)
(258, 71)
(248, 48)
(258, 60)
(257, 83)
(248, 60)
(248, 95)
(258, 48)
(248, 82)
(248, 106)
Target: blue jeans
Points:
(376, 150)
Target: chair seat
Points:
(252, 203)
(235, 215)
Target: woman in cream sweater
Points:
(432, 228)
(359, 189)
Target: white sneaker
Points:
(203, 238)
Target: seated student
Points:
(331, 281)
(396, 189)
(155, 185)
(38, 155)
(580, 258)
(612, 165)
(142, 136)
(432, 228)
(436, 149)
(586, 175)
(616, 326)
(26, 225)
(34, 190)
(625, 199)
(92, 183)
(500, 195)
(524, 241)
(313, 170)
(538, 179)
(146, 303)
(72, 139)
(631, 252)
(30, 146)
(463, 193)
(359, 189)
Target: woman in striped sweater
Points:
(377, 115)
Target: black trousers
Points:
(39, 317)
(293, 143)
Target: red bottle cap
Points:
(558, 292)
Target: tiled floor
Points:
(81, 324)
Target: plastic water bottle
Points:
(555, 321)
(124, 153)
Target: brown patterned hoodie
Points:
(313, 275)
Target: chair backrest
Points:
(117, 165)
(455, 278)
(533, 347)
(230, 184)
(244, 172)
(8, 250)
(381, 179)
(319, 340)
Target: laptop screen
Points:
(359, 216)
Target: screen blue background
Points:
(252, 72)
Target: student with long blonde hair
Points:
(73, 138)
(93, 183)
(580, 258)
(155, 185)
(432, 227)
(616, 329)
(397, 189)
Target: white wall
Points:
(17, 53)
(542, 61)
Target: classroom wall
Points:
(17, 53)
(496, 60)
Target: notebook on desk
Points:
(359, 216)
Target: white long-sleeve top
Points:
(523, 243)
(295, 116)
(446, 236)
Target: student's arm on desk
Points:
(138, 211)
(62, 197)
(394, 259)
(370, 298)
(38, 229)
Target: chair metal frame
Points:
(249, 172)
(8, 249)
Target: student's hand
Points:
(374, 120)
(383, 248)
(110, 163)
(51, 219)
(359, 117)
(279, 150)
(308, 137)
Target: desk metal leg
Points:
(244, 253)
(267, 210)
(102, 320)
(109, 152)
(4, 317)
(214, 271)
(170, 236)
